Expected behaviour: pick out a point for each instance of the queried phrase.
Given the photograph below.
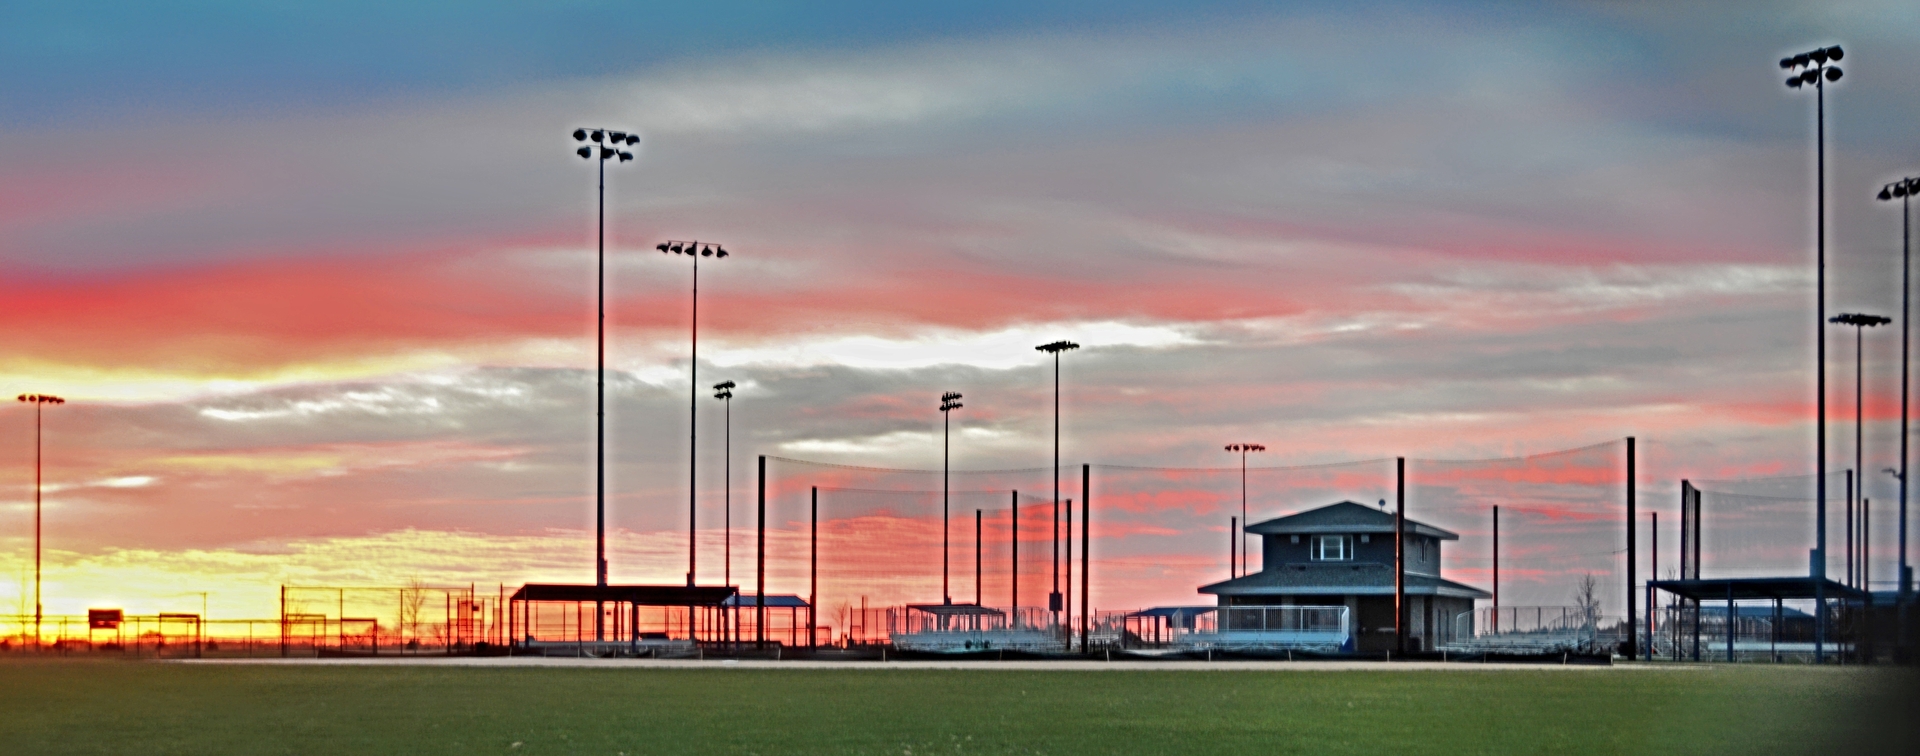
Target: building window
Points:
(1332, 548)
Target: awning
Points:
(955, 610)
(1748, 589)
(639, 595)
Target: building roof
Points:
(1344, 517)
(1174, 611)
(1338, 579)
(781, 600)
(955, 610)
(642, 595)
(1792, 587)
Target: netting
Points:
(1562, 524)
(1764, 527)
(878, 539)
(1159, 534)
(1162, 533)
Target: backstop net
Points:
(1163, 532)
(860, 541)
(1767, 526)
(1561, 535)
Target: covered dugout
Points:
(1830, 630)
(599, 620)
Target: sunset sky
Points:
(317, 279)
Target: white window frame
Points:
(1344, 545)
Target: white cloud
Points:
(994, 350)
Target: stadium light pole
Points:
(1860, 322)
(1055, 348)
(1243, 449)
(1813, 68)
(38, 401)
(724, 392)
(949, 402)
(1904, 189)
(606, 145)
(695, 250)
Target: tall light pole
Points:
(1243, 449)
(606, 145)
(695, 250)
(38, 401)
(1904, 189)
(1860, 322)
(949, 402)
(724, 392)
(1055, 348)
(1813, 68)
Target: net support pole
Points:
(1086, 542)
(760, 561)
(1653, 555)
(1013, 537)
(1496, 560)
(1400, 555)
(977, 514)
(813, 566)
(1633, 598)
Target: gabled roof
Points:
(1338, 579)
(1344, 517)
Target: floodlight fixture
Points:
(1243, 450)
(695, 250)
(949, 402)
(1904, 190)
(1819, 71)
(586, 152)
(1860, 322)
(1054, 602)
(38, 401)
(724, 392)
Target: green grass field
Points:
(152, 708)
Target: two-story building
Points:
(1341, 555)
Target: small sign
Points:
(104, 619)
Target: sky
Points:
(317, 280)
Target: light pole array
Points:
(1054, 603)
(606, 145)
(1243, 449)
(1860, 322)
(949, 402)
(1903, 190)
(38, 401)
(695, 250)
(1813, 68)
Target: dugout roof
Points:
(1748, 589)
(638, 595)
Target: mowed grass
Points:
(153, 708)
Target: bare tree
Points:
(1586, 596)
(412, 598)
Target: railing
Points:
(1326, 629)
(1524, 630)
